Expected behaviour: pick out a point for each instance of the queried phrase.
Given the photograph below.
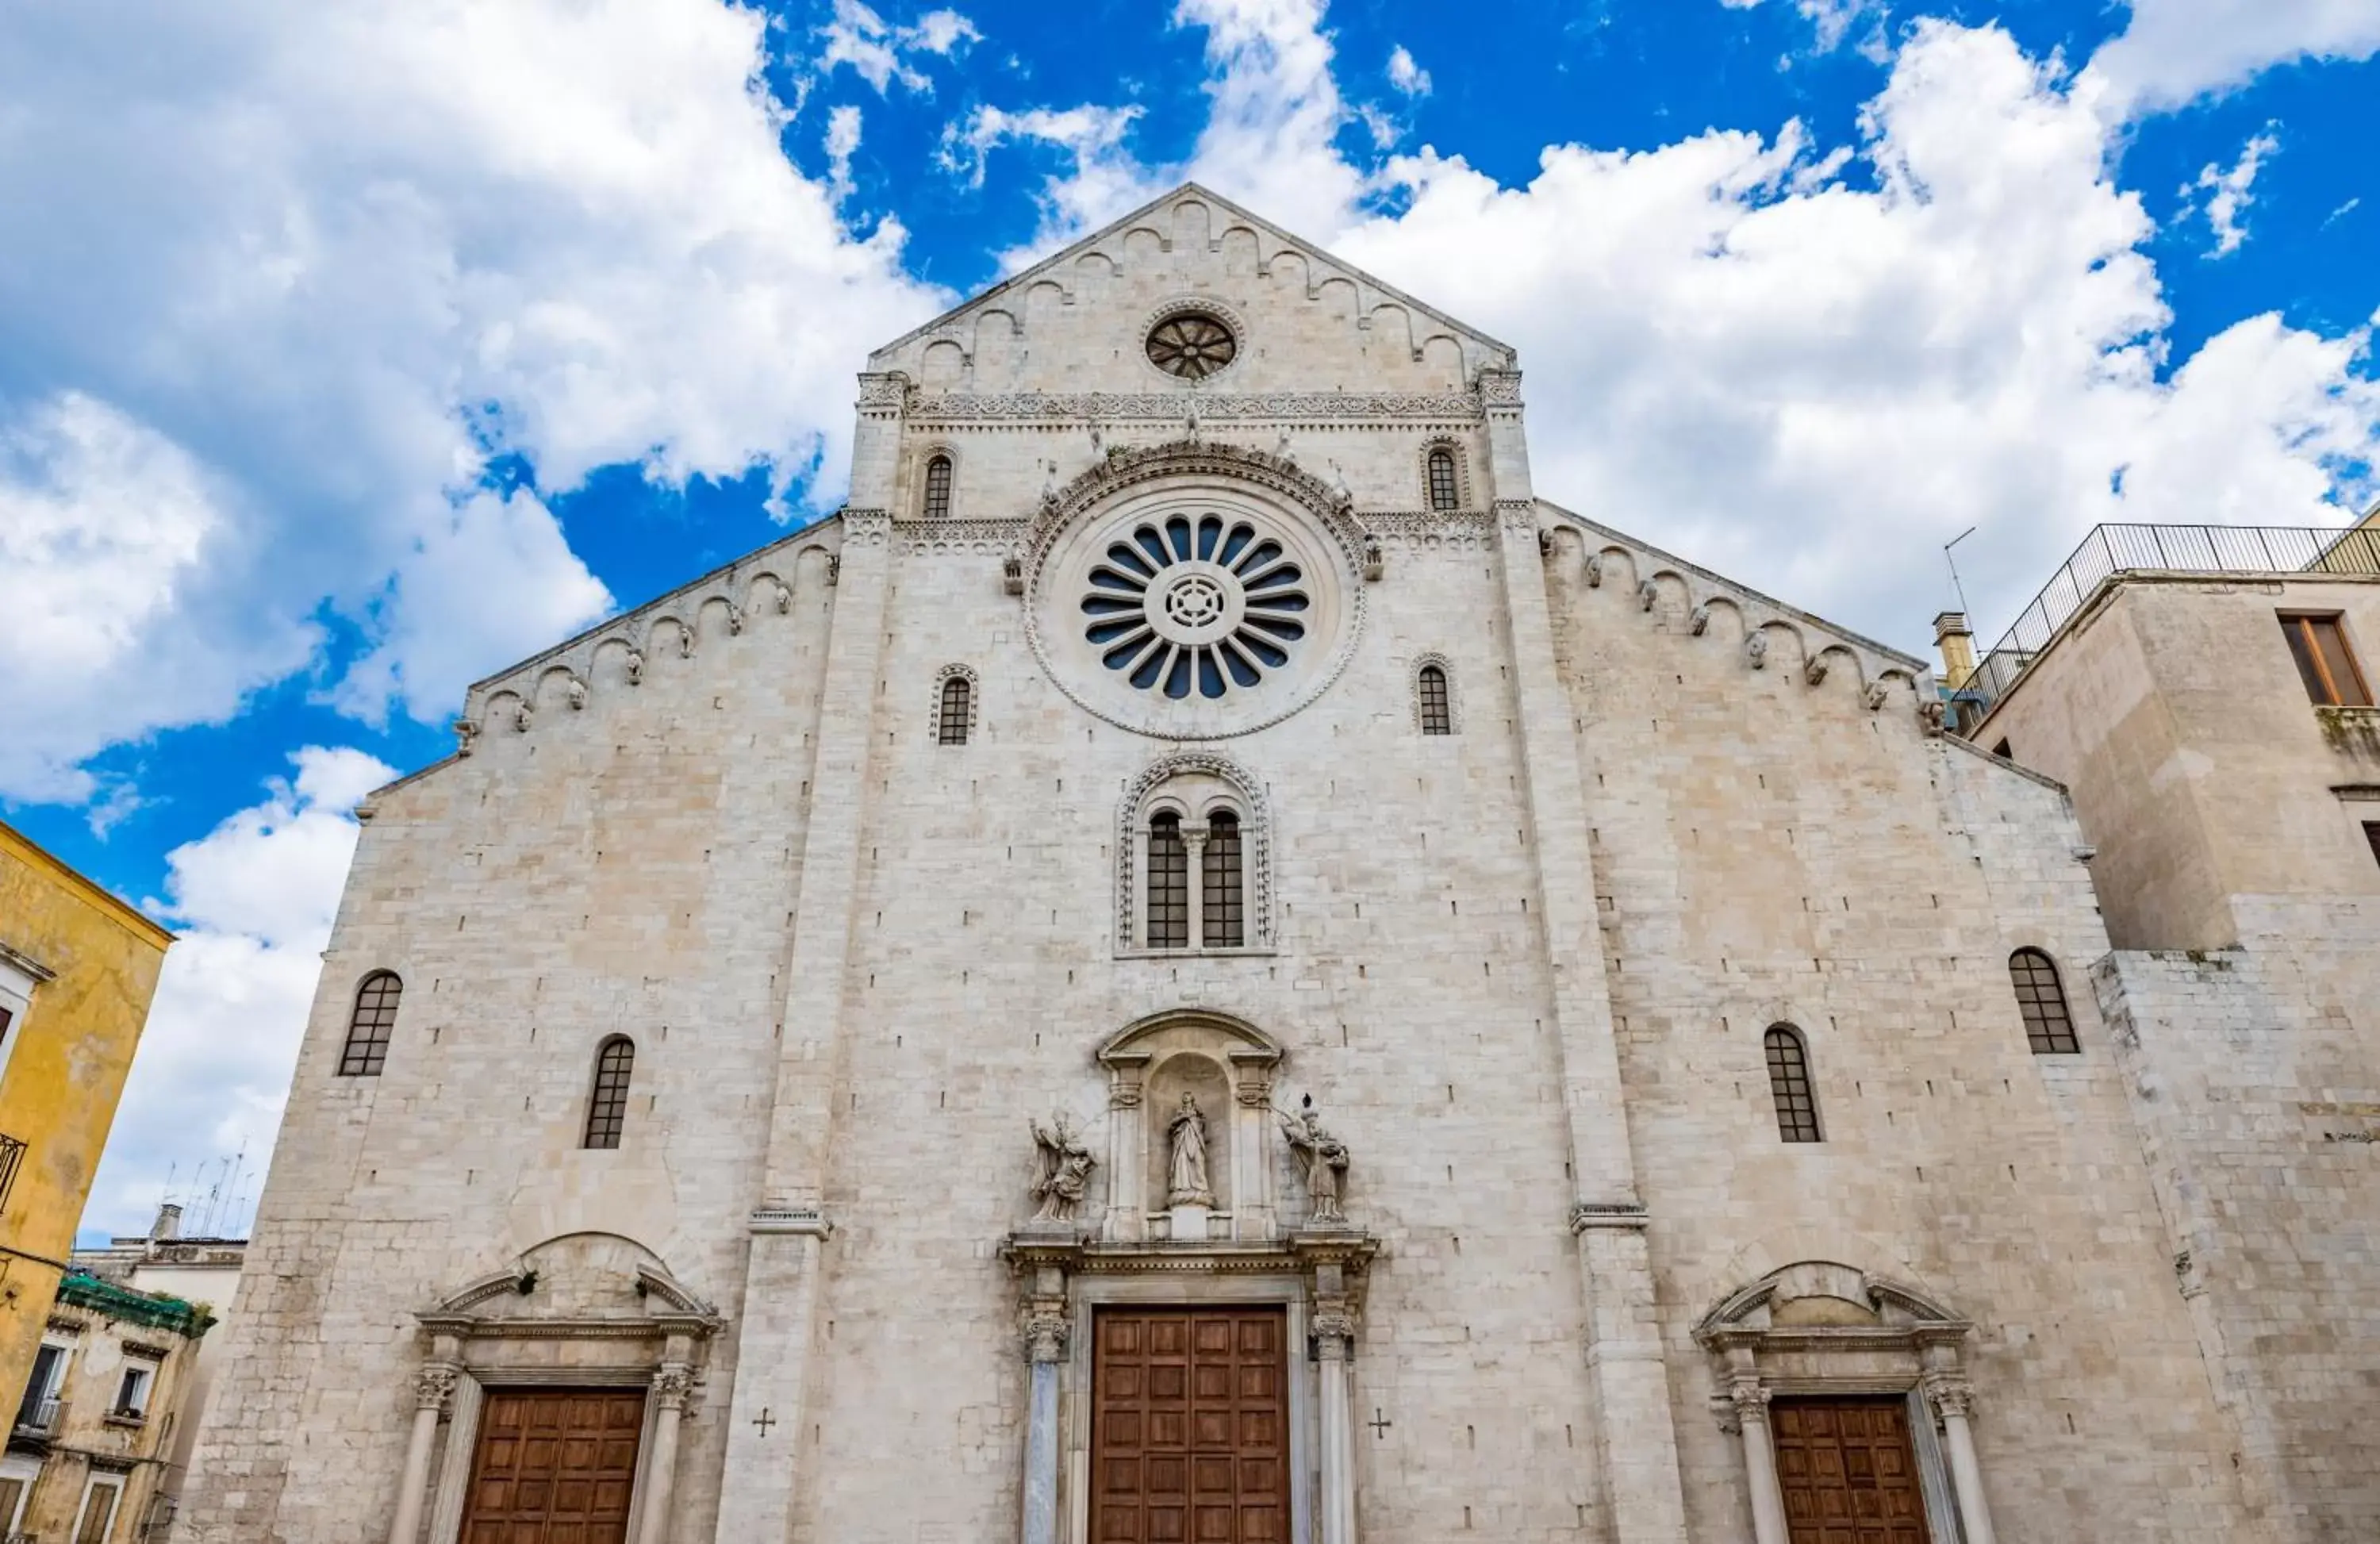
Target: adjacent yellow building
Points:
(78, 969)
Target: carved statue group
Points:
(1063, 1173)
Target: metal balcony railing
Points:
(12, 1156)
(41, 1417)
(2112, 549)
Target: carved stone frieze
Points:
(1210, 406)
(433, 1386)
(672, 1384)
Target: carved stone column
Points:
(1127, 1213)
(1749, 1402)
(1194, 868)
(1045, 1328)
(1954, 1400)
(670, 1386)
(1252, 1136)
(1333, 1328)
(433, 1387)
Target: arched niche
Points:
(1225, 1066)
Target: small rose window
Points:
(1196, 606)
(1193, 346)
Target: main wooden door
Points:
(554, 1466)
(1847, 1472)
(1190, 1427)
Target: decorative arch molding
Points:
(1242, 793)
(1246, 1038)
(917, 457)
(1223, 1064)
(1190, 457)
(1453, 692)
(943, 678)
(1466, 496)
(1818, 1329)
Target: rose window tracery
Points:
(1193, 346)
(1199, 606)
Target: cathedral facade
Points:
(1202, 963)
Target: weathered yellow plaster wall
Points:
(65, 1068)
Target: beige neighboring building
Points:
(2208, 696)
(1204, 961)
(203, 1272)
(106, 1403)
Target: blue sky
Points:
(356, 351)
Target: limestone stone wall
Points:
(626, 866)
(1772, 851)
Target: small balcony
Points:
(12, 1157)
(40, 1417)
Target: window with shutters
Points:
(1169, 884)
(607, 1102)
(1789, 1082)
(2329, 668)
(98, 1516)
(370, 1027)
(1223, 918)
(1437, 712)
(938, 487)
(958, 703)
(2048, 1028)
(1443, 492)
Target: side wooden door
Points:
(554, 1466)
(1848, 1471)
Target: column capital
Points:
(1334, 1334)
(1046, 1332)
(1750, 1399)
(672, 1384)
(1951, 1396)
(433, 1386)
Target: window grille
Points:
(2048, 1025)
(2324, 663)
(1437, 717)
(938, 487)
(1789, 1080)
(957, 701)
(607, 1106)
(1222, 919)
(1169, 884)
(1442, 492)
(370, 1027)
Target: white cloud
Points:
(2175, 51)
(879, 51)
(2229, 192)
(254, 901)
(1405, 75)
(1832, 18)
(1811, 385)
(1274, 110)
(842, 143)
(1104, 178)
(299, 270)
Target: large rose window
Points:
(1203, 605)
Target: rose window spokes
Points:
(1192, 346)
(1204, 606)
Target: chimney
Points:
(1957, 642)
(169, 1222)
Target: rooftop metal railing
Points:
(2111, 550)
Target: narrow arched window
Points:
(1789, 1080)
(1442, 493)
(938, 487)
(371, 1025)
(2048, 1028)
(607, 1102)
(1437, 715)
(1222, 919)
(958, 705)
(1169, 884)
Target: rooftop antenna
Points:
(1953, 562)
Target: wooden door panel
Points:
(1190, 1427)
(1847, 1472)
(554, 1466)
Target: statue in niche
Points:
(1187, 1174)
(1065, 1170)
(1323, 1159)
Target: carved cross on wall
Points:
(764, 1420)
(1379, 1425)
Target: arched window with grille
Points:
(1443, 493)
(1168, 883)
(1222, 922)
(1431, 701)
(938, 487)
(958, 708)
(370, 1025)
(607, 1101)
(2048, 1028)
(1789, 1081)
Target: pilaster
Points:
(774, 1342)
(1635, 1439)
